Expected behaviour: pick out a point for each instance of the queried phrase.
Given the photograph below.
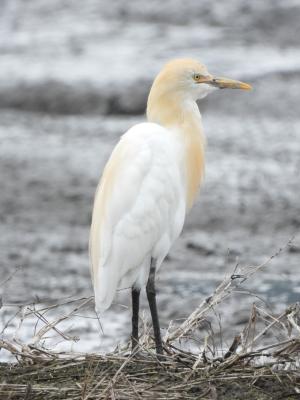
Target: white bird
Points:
(148, 185)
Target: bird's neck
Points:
(182, 116)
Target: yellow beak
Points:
(225, 83)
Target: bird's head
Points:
(179, 83)
(191, 79)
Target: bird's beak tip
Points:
(245, 86)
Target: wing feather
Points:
(133, 206)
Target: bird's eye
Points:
(197, 77)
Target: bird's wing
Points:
(132, 208)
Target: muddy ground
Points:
(73, 79)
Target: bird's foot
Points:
(160, 357)
(140, 354)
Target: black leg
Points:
(151, 295)
(135, 293)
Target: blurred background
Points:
(74, 76)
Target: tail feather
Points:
(105, 287)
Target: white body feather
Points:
(150, 180)
(139, 209)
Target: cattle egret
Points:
(148, 185)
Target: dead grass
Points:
(251, 367)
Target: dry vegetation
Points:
(251, 368)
